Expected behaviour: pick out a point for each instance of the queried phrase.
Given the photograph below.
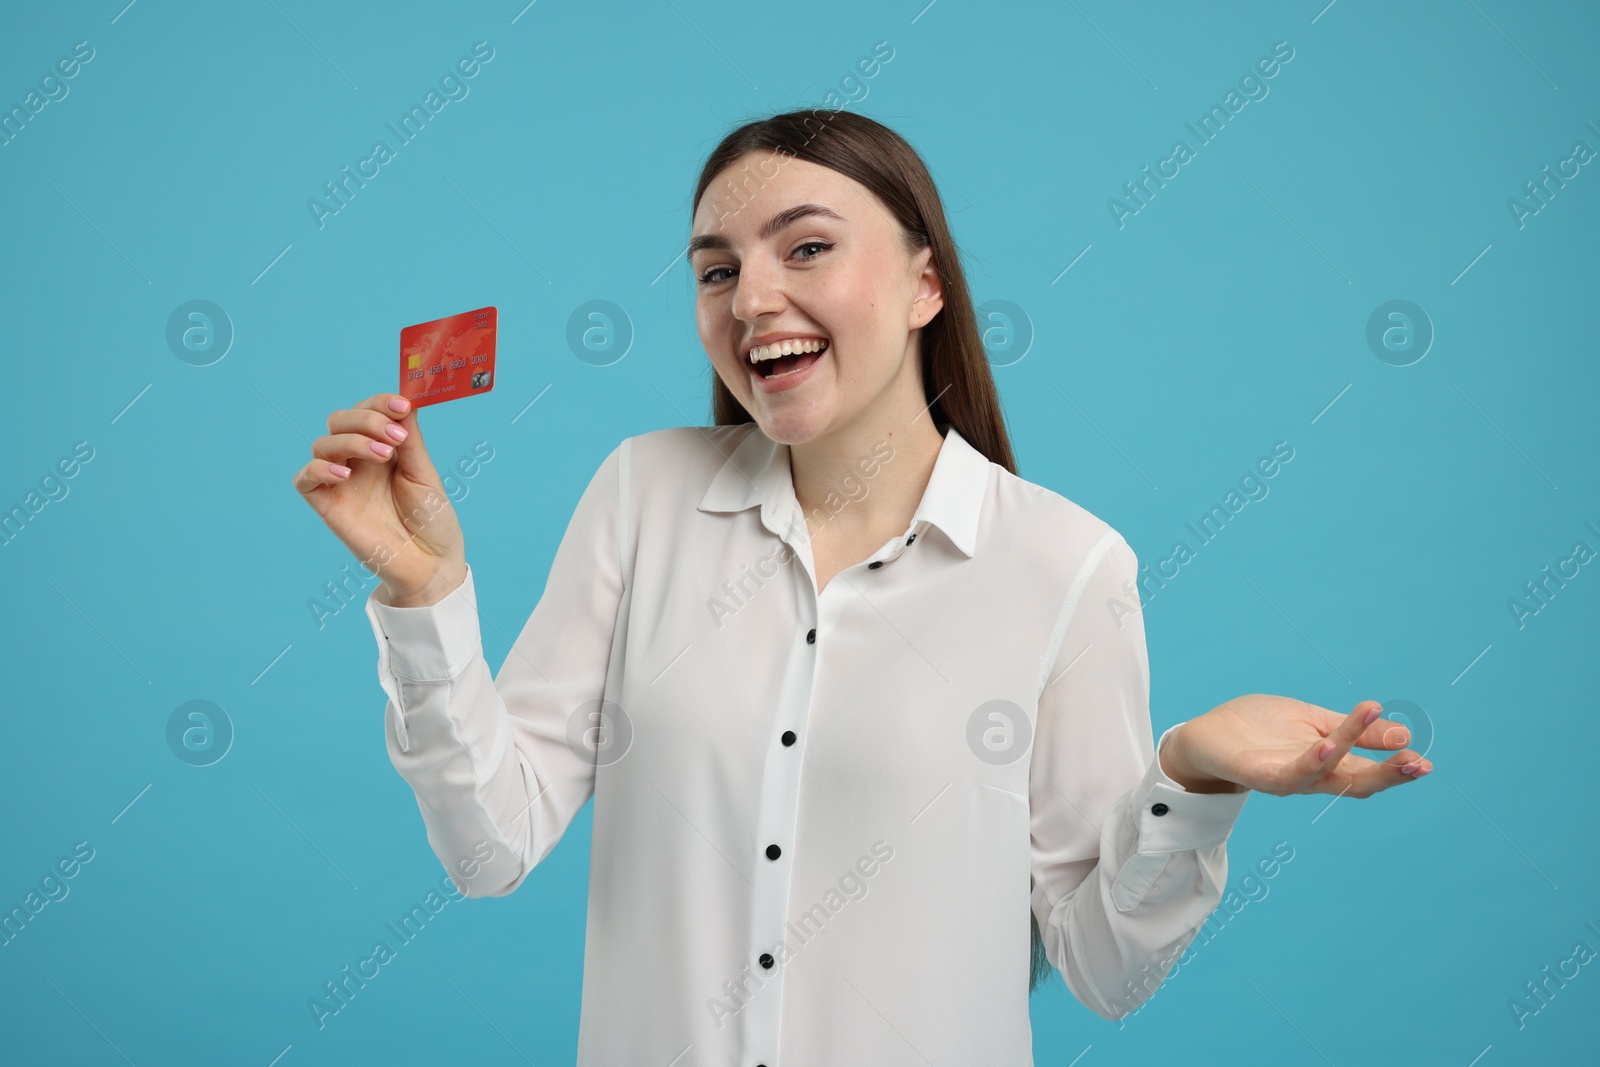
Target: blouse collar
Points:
(757, 473)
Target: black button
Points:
(811, 637)
(1158, 808)
(875, 564)
(765, 959)
(773, 852)
(788, 737)
(910, 539)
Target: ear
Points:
(929, 298)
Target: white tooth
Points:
(759, 353)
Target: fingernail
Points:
(339, 469)
(1371, 716)
(399, 404)
(396, 431)
(382, 449)
(1325, 750)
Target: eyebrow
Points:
(768, 228)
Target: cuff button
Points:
(1158, 808)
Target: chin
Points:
(790, 427)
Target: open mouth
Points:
(772, 362)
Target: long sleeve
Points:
(495, 775)
(1127, 864)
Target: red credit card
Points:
(448, 358)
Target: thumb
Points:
(411, 455)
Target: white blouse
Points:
(819, 821)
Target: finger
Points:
(1357, 776)
(1409, 763)
(382, 418)
(319, 472)
(1325, 753)
(1387, 734)
(378, 425)
(343, 447)
(1381, 733)
(392, 405)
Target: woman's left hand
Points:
(1279, 745)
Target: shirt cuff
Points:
(1172, 819)
(428, 644)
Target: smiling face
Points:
(812, 255)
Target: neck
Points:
(843, 482)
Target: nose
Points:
(758, 291)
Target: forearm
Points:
(1161, 871)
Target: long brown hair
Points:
(956, 378)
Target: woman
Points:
(837, 678)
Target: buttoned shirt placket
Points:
(780, 790)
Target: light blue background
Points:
(1228, 314)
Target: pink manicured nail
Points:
(1372, 716)
(1325, 750)
(396, 431)
(382, 449)
(398, 404)
(339, 469)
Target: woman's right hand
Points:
(371, 481)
